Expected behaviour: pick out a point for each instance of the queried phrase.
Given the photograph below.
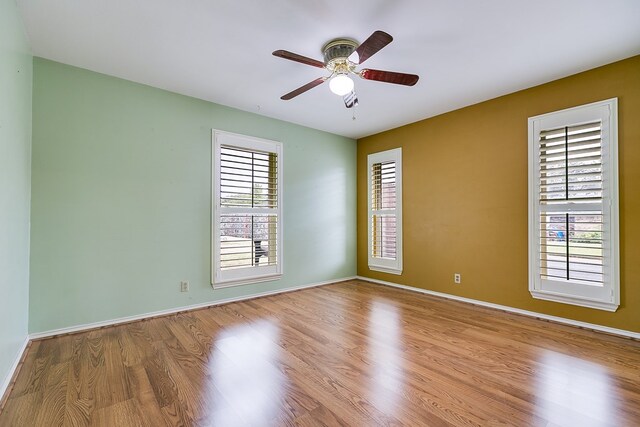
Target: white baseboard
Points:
(127, 319)
(593, 326)
(7, 380)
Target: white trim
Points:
(247, 281)
(385, 270)
(127, 319)
(242, 276)
(569, 299)
(7, 380)
(607, 296)
(571, 322)
(392, 266)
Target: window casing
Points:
(573, 206)
(246, 209)
(384, 203)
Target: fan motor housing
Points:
(336, 54)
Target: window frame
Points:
(606, 297)
(375, 263)
(254, 274)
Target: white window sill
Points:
(573, 300)
(385, 270)
(246, 281)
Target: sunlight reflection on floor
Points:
(244, 371)
(572, 391)
(384, 346)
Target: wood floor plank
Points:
(144, 395)
(78, 412)
(20, 410)
(123, 413)
(51, 408)
(32, 379)
(351, 353)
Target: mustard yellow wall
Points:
(465, 195)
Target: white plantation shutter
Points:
(247, 209)
(571, 243)
(575, 254)
(573, 211)
(248, 180)
(383, 210)
(385, 207)
(571, 164)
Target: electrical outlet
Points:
(457, 278)
(184, 286)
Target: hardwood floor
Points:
(351, 353)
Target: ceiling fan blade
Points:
(298, 58)
(370, 46)
(389, 77)
(303, 89)
(350, 100)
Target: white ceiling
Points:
(465, 51)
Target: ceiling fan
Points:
(341, 57)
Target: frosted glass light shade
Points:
(341, 84)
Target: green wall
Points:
(15, 175)
(121, 199)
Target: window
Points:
(573, 206)
(246, 209)
(385, 211)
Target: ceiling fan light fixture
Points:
(341, 84)
(341, 58)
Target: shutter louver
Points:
(248, 179)
(571, 247)
(249, 196)
(571, 164)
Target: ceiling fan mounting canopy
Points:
(341, 57)
(336, 55)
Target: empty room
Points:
(320, 213)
